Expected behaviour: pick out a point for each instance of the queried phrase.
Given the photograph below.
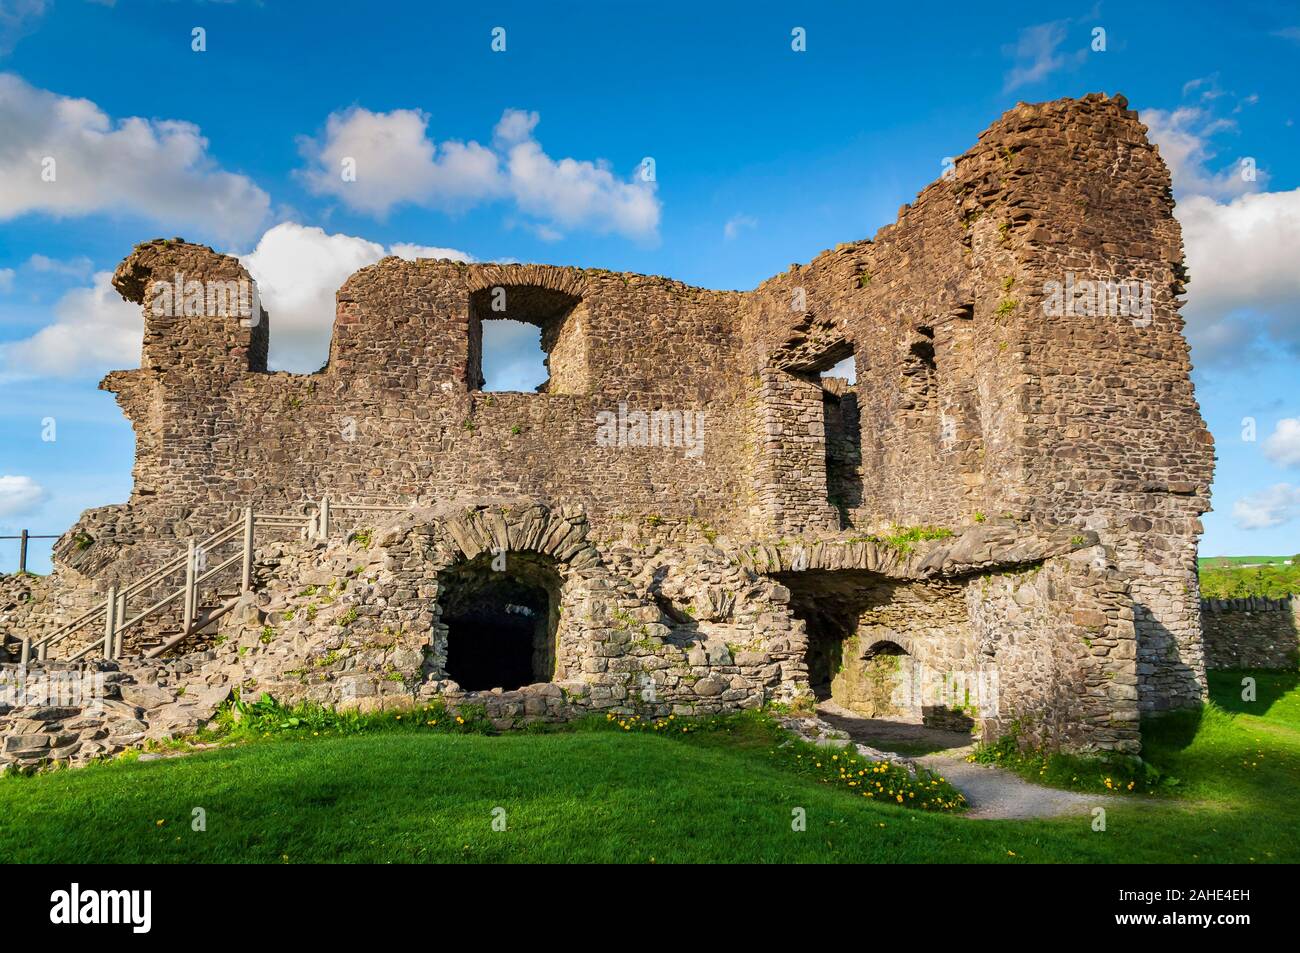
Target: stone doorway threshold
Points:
(993, 793)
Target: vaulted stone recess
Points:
(888, 648)
(500, 623)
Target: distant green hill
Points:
(1235, 577)
(1248, 560)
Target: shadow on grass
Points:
(1271, 687)
(1172, 730)
(905, 738)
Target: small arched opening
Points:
(502, 615)
(873, 683)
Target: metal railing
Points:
(22, 538)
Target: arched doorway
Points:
(855, 660)
(502, 622)
(872, 685)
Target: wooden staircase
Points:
(207, 593)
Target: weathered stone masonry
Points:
(1252, 633)
(1065, 455)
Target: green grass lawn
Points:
(638, 797)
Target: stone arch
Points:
(898, 644)
(880, 681)
(520, 526)
(526, 552)
(569, 281)
(867, 553)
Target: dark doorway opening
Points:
(501, 623)
(829, 602)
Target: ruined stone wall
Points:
(978, 398)
(936, 372)
(1251, 633)
(689, 630)
(1065, 646)
(1118, 444)
(972, 404)
(396, 415)
(33, 606)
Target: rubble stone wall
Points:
(696, 629)
(1252, 633)
(982, 395)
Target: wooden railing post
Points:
(189, 588)
(121, 620)
(27, 651)
(110, 621)
(22, 553)
(246, 580)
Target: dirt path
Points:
(993, 793)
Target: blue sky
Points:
(762, 156)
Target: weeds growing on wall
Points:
(239, 721)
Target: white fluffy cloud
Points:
(1244, 294)
(1283, 444)
(1267, 508)
(1243, 300)
(157, 169)
(570, 193)
(19, 494)
(388, 158)
(395, 161)
(412, 252)
(297, 270)
(93, 331)
(1183, 135)
(6, 279)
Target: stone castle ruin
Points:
(994, 527)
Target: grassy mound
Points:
(635, 794)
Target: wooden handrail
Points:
(112, 612)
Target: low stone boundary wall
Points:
(1251, 633)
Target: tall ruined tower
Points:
(983, 391)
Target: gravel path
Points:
(996, 794)
(993, 793)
